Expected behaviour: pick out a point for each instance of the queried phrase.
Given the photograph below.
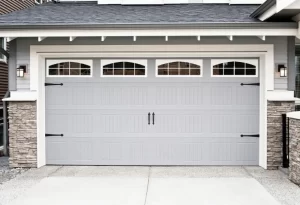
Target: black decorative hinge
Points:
(254, 84)
(249, 135)
(54, 135)
(52, 84)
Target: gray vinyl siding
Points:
(22, 48)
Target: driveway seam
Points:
(59, 168)
(149, 174)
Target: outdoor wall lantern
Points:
(21, 70)
(282, 69)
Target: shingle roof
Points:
(94, 14)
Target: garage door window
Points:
(234, 68)
(124, 68)
(179, 68)
(69, 68)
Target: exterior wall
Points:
(8, 6)
(14, 5)
(3, 80)
(21, 49)
(22, 134)
(274, 132)
(295, 151)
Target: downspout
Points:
(5, 126)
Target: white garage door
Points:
(152, 112)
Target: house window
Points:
(179, 68)
(234, 68)
(69, 68)
(124, 68)
(3, 46)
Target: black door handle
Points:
(153, 118)
(149, 118)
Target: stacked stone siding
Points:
(274, 135)
(295, 151)
(22, 134)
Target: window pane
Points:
(119, 65)
(228, 71)
(64, 72)
(108, 71)
(64, 65)
(184, 65)
(129, 65)
(74, 65)
(85, 66)
(250, 66)
(75, 71)
(184, 71)
(195, 72)
(229, 65)
(239, 71)
(195, 66)
(218, 72)
(173, 72)
(218, 66)
(163, 65)
(174, 65)
(85, 71)
(250, 71)
(53, 71)
(109, 66)
(163, 71)
(140, 72)
(118, 72)
(129, 72)
(239, 65)
(139, 66)
(53, 66)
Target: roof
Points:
(92, 14)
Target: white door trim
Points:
(38, 55)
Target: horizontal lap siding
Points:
(8, 6)
(3, 80)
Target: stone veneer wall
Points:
(295, 151)
(22, 134)
(274, 133)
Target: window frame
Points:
(254, 62)
(198, 62)
(50, 62)
(4, 59)
(105, 62)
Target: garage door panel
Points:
(121, 94)
(198, 121)
(247, 95)
(161, 151)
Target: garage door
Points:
(152, 112)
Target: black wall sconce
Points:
(282, 69)
(21, 70)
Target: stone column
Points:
(22, 134)
(274, 132)
(295, 151)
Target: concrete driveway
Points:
(149, 186)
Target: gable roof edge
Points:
(263, 8)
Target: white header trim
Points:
(14, 33)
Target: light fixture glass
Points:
(21, 71)
(282, 69)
